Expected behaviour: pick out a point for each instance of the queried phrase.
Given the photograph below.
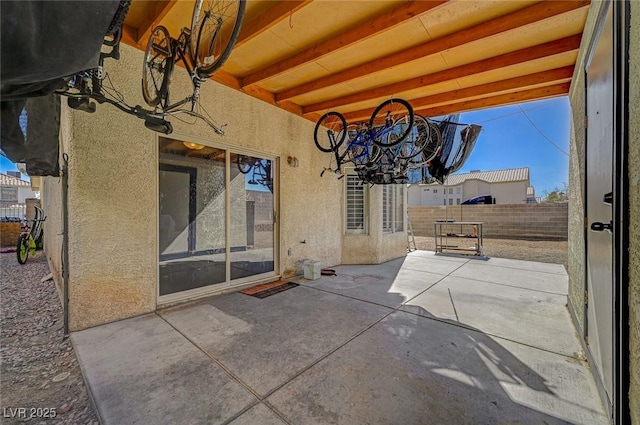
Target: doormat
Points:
(267, 289)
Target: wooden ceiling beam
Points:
(130, 36)
(160, 10)
(564, 45)
(499, 100)
(554, 76)
(275, 14)
(227, 79)
(377, 25)
(508, 22)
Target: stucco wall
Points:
(509, 193)
(377, 246)
(112, 210)
(25, 193)
(634, 212)
(577, 99)
(113, 199)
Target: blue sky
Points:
(6, 165)
(509, 140)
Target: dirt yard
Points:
(39, 370)
(528, 250)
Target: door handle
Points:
(597, 226)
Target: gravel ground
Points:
(528, 250)
(39, 370)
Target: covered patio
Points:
(421, 339)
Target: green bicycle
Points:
(31, 239)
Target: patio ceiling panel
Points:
(367, 28)
(504, 23)
(310, 56)
(520, 56)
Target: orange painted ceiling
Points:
(312, 56)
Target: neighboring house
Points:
(531, 196)
(510, 186)
(14, 190)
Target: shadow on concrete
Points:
(338, 350)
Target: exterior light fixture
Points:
(194, 146)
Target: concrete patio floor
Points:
(426, 339)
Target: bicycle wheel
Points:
(157, 67)
(349, 133)
(23, 248)
(332, 133)
(245, 164)
(118, 18)
(434, 142)
(417, 140)
(396, 117)
(214, 30)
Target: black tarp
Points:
(41, 43)
(458, 141)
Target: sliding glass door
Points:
(216, 218)
(252, 216)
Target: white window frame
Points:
(353, 182)
(393, 208)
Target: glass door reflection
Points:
(192, 207)
(251, 216)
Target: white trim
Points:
(228, 285)
(365, 207)
(214, 289)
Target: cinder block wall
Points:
(9, 233)
(540, 221)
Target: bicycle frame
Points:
(32, 242)
(30, 239)
(153, 119)
(364, 138)
(178, 50)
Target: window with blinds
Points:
(393, 208)
(387, 208)
(398, 218)
(356, 204)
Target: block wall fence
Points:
(514, 221)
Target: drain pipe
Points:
(65, 241)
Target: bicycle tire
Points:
(335, 125)
(157, 67)
(118, 18)
(344, 149)
(392, 110)
(208, 48)
(23, 248)
(415, 143)
(434, 144)
(244, 164)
